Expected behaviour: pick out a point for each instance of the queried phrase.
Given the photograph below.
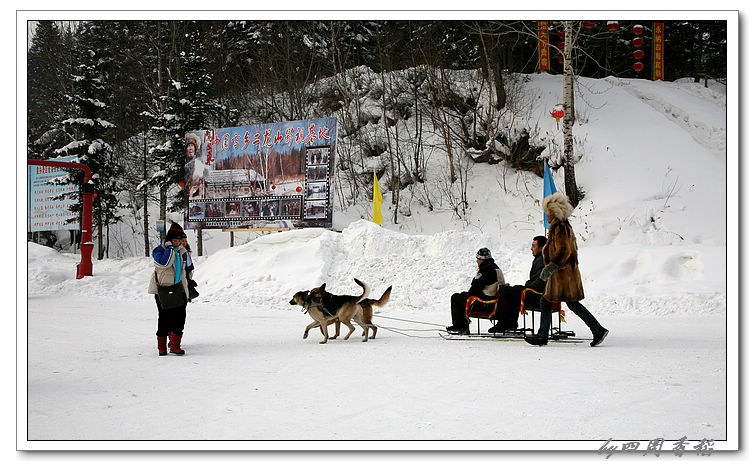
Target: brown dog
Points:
(367, 312)
(362, 316)
(326, 308)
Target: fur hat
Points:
(175, 232)
(483, 254)
(557, 206)
(193, 139)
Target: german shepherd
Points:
(326, 308)
(362, 317)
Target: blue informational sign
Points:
(47, 212)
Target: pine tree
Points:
(90, 132)
(49, 79)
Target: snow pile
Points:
(424, 271)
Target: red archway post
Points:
(84, 268)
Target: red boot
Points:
(162, 346)
(175, 344)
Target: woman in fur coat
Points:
(561, 272)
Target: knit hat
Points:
(175, 232)
(483, 254)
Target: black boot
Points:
(536, 340)
(598, 337)
(502, 327)
(452, 329)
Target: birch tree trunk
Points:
(569, 178)
(145, 200)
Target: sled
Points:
(477, 308)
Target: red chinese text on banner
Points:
(657, 51)
(544, 56)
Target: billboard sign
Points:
(48, 209)
(261, 176)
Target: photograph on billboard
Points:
(261, 176)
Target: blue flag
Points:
(548, 189)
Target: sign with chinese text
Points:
(544, 55)
(261, 176)
(657, 51)
(49, 209)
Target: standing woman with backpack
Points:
(170, 283)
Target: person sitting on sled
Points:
(484, 285)
(510, 300)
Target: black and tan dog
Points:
(326, 308)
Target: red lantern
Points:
(638, 29)
(273, 187)
(638, 42)
(562, 34)
(298, 189)
(560, 59)
(181, 184)
(612, 26)
(557, 113)
(638, 66)
(561, 46)
(588, 24)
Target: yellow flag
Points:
(377, 200)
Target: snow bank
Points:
(424, 271)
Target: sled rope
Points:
(406, 320)
(402, 331)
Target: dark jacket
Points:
(535, 282)
(486, 281)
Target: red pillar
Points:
(84, 268)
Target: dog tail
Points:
(383, 299)
(365, 292)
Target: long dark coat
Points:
(566, 283)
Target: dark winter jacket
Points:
(535, 282)
(486, 281)
(566, 283)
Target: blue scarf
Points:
(177, 267)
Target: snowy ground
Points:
(248, 375)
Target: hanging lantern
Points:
(273, 187)
(638, 66)
(638, 54)
(557, 113)
(182, 184)
(612, 26)
(562, 34)
(638, 29)
(561, 46)
(298, 189)
(588, 24)
(638, 42)
(560, 59)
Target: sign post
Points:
(84, 268)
